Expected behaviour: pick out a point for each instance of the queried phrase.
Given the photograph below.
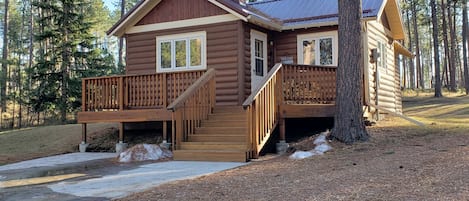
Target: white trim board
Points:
(182, 23)
(239, 16)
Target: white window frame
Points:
(202, 35)
(255, 35)
(383, 55)
(318, 36)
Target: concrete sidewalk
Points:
(113, 180)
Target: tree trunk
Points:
(120, 63)
(4, 73)
(436, 50)
(452, 61)
(465, 46)
(31, 54)
(411, 69)
(348, 124)
(418, 65)
(65, 69)
(447, 60)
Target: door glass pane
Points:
(259, 67)
(259, 48)
(325, 46)
(196, 52)
(181, 53)
(309, 56)
(166, 54)
(259, 57)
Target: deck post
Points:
(282, 129)
(121, 146)
(282, 145)
(83, 145)
(165, 135)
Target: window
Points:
(181, 52)
(318, 49)
(383, 55)
(259, 57)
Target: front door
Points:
(258, 58)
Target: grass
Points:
(30, 143)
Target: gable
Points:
(174, 10)
(392, 14)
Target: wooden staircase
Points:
(220, 138)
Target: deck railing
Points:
(304, 84)
(135, 91)
(191, 107)
(262, 110)
(285, 84)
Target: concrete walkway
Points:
(109, 181)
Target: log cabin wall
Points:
(389, 89)
(223, 48)
(247, 54)
(285, 42)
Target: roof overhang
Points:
(399, 48)
(391, 8)
(145, 6)
(132, 17)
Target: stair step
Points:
(227, 116)
(213, 146)
(225, 123)
(217, 138)
(225, 130)
(210, 155)
(228, 109)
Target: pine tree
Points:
(348, 122)
(66, 53)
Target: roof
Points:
(280, 14)
(297, 13)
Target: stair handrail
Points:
(192, 106)
(263, 110)
(260, 87)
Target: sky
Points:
(110, 4)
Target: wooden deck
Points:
(200, 129)
(132, 98)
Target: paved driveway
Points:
(93, 176)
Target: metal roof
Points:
(274, 14)
(307, 12)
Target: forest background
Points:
(49, 46)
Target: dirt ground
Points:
(30, 143)
(400, 162)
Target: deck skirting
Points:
(306, 110)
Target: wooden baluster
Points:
(120, 93)
(165, 90)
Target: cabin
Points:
(222, 75)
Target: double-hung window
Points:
(318, 49)
(181, 52)
(383, 55)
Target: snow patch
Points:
(144, 152)
(321, 147)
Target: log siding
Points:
(222, 55)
